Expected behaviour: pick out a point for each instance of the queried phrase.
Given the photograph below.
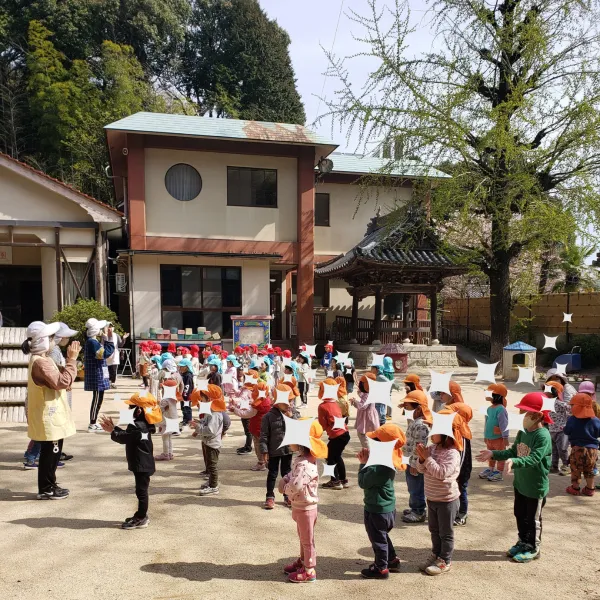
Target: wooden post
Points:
(568, 311)
(433, 317)
(377, 315)
(468, 317)
(354, 322)
(59, 288)
(405, 311)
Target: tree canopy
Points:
(69, 67)
(509, 96)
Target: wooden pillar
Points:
(59, 287)
(305, 245)
(288, 305)
(377, 316)
(354, 322)
(433, 315)
(136, 198)
(405, 311)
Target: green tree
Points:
(576, 274)
(236, 63)
(509, 94)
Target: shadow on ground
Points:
(60, 523)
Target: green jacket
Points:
(378, 483)
(531, 454)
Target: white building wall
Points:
(146, 285)
(208, 215)
(351, 207)
(49, 283)
(340, 302)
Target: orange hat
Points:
(328, 381)
(152, 412)
(261, 386)
(215, 394)
(419, 397)
(254, 374)
(388, 433)
(559, 387)
(365, 380)
(466, 412)
(500, 390)
(342, 390)
(413, 378)
(582, 406)
(458, 425)
(455, 392)
(293, 385)
(282, 388)
(318, 448)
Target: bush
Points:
(77, 314)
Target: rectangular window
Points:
(195, 297)
(321, 210)
(251, 187)
(321, 293)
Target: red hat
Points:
(224, 354)
(253, 347)
(277, 350)
(156, 348)
(286, 354)
(171, 348)
(262, 352)
(238, 350)
(533, 402)
(206, 352)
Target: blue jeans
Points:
(33, 451)
(416, 491)
(381, 411)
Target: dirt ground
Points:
(228, 547)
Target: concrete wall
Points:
(350, 210)
(146, 285)
(208, 215)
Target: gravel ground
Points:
(228, 547)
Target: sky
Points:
(311, 25)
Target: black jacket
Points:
(139, 452)
(272, 432)
(188, 385)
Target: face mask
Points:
(529, 422)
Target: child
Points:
(583, 431)
(137, 439)
(326, 360)
(214, 372)
(560, 442)
(338, 436)
(210, 431)
(529, 457)
(195, 354)
(342, 398)
(304, 364)
(367, 418)
(381, 408)
(144, 365)
(277, 365)
(249, 381)
(412, 382)
(169, 411)
(231, 387)
(377, 481)
(334, 370)
(440, 465)
(416, 433)
(272, 432)
(290, 381)
(349, 374)
(186, 370)
(260, 406)
(388, 373)
(495, 432)
(301, 485)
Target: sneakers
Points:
(303, 576)
(334, 484)
(516, 549)
(586, 491)
(287, 501)
(527, 554)
(243, 450)
(163, 456)
(439, 567)
(574, 491)
(60, 464)
(564, 470)
(66, 457)
(269, 504)
(56, 493)
(113, 386)
(94, 428)
(136, 523)
(460, 520)
(30, 465)
(345, 484)
(394, 565)
(413, 517)
(204, 473)
(430, 561)
(293, 567)
(495, 476)
(258, 467)
(485, 473)
(208, 491)
(374, 573)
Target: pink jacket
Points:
(231, 389)
(301, 484)
(367, 418)
(441, 468)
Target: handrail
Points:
(455, 333)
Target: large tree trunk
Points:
(500, 306)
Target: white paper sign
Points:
(172, 425)
(296, 432)
(169, 392)
(328, 470)
(486, 372)
(442, 424)
(330, 391)
(561, 369)
(202, 385)
(330, 374)
(227, 378)
(379, 392)
(282, 397)
(525, 375)
(339, 423)
(342, 357)
(381, 453)
(287, 378)
(126, 417)
(548, 404)
(550, 342)
(567, 317)
(244, 404)
(204, 408)
(377, 360)
(440, 382)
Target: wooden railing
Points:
(391, 331)
(455, 333)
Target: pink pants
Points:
(305, 521)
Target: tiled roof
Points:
(365, 165)
(520, 346)
(39, 173)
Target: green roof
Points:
(208, 127)
(365, 165)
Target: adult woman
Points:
(96, 378)
(49, 419)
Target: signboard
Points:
(251, 330)
(6, 255)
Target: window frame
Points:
(328, 209)
(264, 169)
(169, 170)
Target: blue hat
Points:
(234, 361)
(215, 361)
(165, 356)
(267, 361)
(157, 360)
(293, 365)
(254, 364)
(388, 365)
(186, 362)
(307, 356)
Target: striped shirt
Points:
(441, 468)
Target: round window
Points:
(183, 182)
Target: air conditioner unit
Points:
(121, 283)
